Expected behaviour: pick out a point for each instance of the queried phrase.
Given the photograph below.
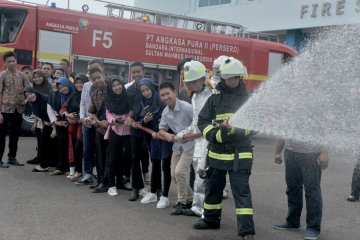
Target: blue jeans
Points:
(88, 149)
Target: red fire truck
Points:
(159, 40)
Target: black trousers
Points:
(239, 181)
(302, 171)
(115, 160)
(46, 146)
(156, 167)
(62, 147)
(355, 184)
(101, 155)
(139, 152)
(11, 124)
(127, 160)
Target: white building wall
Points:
(266, 15)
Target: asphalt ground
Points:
(35, 206)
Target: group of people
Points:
(97, 121)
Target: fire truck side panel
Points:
(24, 42)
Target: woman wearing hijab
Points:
(57, 97)
(70, 111)
(117, 111)
(38, 103)
(152, 108)
(41, 85)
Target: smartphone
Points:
(147, 109)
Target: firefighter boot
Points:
(201, 224)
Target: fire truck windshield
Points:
(11, 21)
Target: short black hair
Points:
(182, 62)
(167, 85)
(8, 54)
(48, 63)
(62, 70)
(98, 61)
(95, 70)
(65, 60)
(26, 67)
(137, 64)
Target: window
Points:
(206, 3)
(214, 2)
(11, 21)
(225, 2)
(203, 3)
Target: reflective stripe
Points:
(218, 136)
(229, 157)
(207, 129)
(223, 157)
(223, 116)
(244, 211)
(212, 206)
(247, 132)
(245, 155)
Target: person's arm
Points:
(110, 117)
(82, 112)
(280, 142)
(210, 132)
(52, 114)
(323, 160)
(163, 128)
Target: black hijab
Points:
(39, 107)
(45, 86)
(74, 100)
(116, 103)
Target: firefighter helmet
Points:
(219, 60)
(231, 67)
(193, 70)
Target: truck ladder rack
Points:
(183, 22)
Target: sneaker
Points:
(33, 161)
(352, 198)
(163, 202)
(147, 178)
(76, 177)
(286, 226)
(202, 225)
(113, 192)
(84, 181)
(311, 234)
(14, 161)
(149, 198)
(3, 165)
(71, 173)
(178, 209)
(248, 237)
(143, 192)
(56, 173)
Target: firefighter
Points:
(195, 81)
(229, 151)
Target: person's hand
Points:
(103, 123)
(170, 137)
(129, 121)
(201, 172)
(33, 127)
(154, 135)
(323, 160)
(1, 118)
(134, 124)
(148, 117)
(53, 133)
(278, 158)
